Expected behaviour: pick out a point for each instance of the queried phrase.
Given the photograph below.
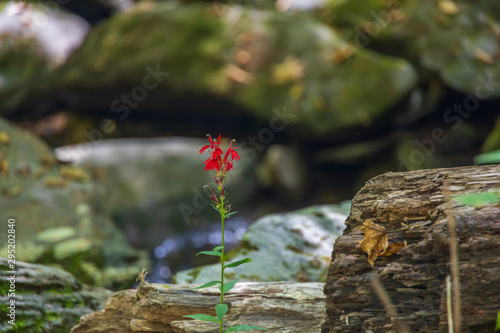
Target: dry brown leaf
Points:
(4, 166)
(483, 56)
(237, 74)
(242, 57)
(393, 248)
(12, 191)
(448, 7)
(55, 182)
(4, 138)
(291, 69)
(75, 173)
(375, 241)
(340, 55)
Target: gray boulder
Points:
(293, 246)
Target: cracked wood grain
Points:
(412, 208)
(284, 307)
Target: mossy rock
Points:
(47, 299)
(458, 40)
(258, 62)
(57, 217)
(303, 239)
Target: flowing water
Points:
(178, 253)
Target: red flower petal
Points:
(203, 149)
(217, 152)
(234, 155)
(212, 164)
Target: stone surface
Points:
(283, 171)
(34, 39)
(58, 219)
(301, 238)
(246, 61)
(47, 299)
(458, 41)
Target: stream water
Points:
(178, 252)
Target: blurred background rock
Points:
(320, 96)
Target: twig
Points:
(449, 310)
(455, 271)
(386, 301)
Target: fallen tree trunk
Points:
(411, 206)
(279, 306)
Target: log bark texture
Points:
(284, 307)
(411, 206)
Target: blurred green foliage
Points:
(493, 157)
(479, 199)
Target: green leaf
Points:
(229, 214)
(215, 207)
(237, 263)
(227, 286)
(208, 284)
(210, 253)
(221, 310)
(497, 327)
(244, 328)
(218, 248)
(214, 252)
(493, 157)
(478, 199)
(203, 317)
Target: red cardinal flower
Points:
(215, 161)
(230, 155)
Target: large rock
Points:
(57, 214)
(300, 238)
(156, 186)
(33, 40)
(47, 299)
(459, 41)
(229, 61)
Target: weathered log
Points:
(279, 306)
(411, 206)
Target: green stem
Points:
(222, 210)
